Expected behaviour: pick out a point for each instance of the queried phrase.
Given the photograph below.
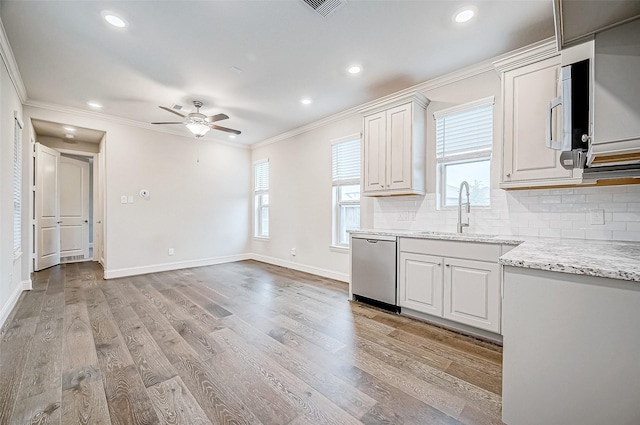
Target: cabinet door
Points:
(374, 152)
(420, 283)
(527, 92)
(399, 144)
(472, 293)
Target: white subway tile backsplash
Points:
(537, 212)
(573, 199)
(626, 197)
(626, 236)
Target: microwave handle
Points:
(551, 142)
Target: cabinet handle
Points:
(439, 264)
(508, 174)
(448, 265)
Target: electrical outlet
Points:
(596, 216)
(171, 251)
(293, 252)
(123, 199)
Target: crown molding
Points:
(434, 83)
(529, 54)
(121, 121)
(10, 63)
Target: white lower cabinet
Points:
(472, 293)
(457, 281)
(421, 277)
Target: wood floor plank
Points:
(175, 405)
(173, 346)
(42, 409)
(29, 304)
(220, 405)
(152, 365)
(342, 394)
(302, 397)
(14, 349)
(83, 398)
(43, 370)
(78, 346)
(318, 338)
(264, 401)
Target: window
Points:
(17, 185)
(345, 153)
(261, 187)
(464, 138)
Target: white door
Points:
(47, 243)
(74, 209)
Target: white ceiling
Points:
(58, 130)
(177, 51)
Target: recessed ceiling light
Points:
(69, 136)
(305, 101)
(354, 69)
(114, 20)
(94, 105)
(464, 14)
(69, 128)
(232, 136)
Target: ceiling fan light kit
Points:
(199, 124)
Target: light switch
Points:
(123, 199)
(130, 199)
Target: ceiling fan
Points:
(199, 124)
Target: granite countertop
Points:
(615, 260)
(463, 237)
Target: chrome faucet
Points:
(461, 225)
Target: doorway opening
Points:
(67, 195)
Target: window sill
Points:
(261, 238)
(340, 249)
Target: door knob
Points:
(86, 221)
(58, 222)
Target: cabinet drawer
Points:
(455, 249)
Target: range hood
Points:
(614, 148)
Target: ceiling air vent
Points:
(325, 7)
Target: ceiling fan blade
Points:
(228, 130)
(218, 117)
(172, 111)
(175, 122)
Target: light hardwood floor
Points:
(235, 343)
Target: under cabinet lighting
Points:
(94, 104)
(69, 128)
(69, 136)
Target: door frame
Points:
(97, 199)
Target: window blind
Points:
(17, 185)
(262, 176)
(465, 131)
(346, 162)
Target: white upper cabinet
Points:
(393, 155)
(527, 90)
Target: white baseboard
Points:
(132, 271)
(11, 302)
(343, 277)
(27, 285)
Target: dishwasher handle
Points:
(372, 240)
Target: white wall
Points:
(300, 201)
(199, 202)
(11, 275)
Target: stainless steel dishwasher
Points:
(373, 269)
